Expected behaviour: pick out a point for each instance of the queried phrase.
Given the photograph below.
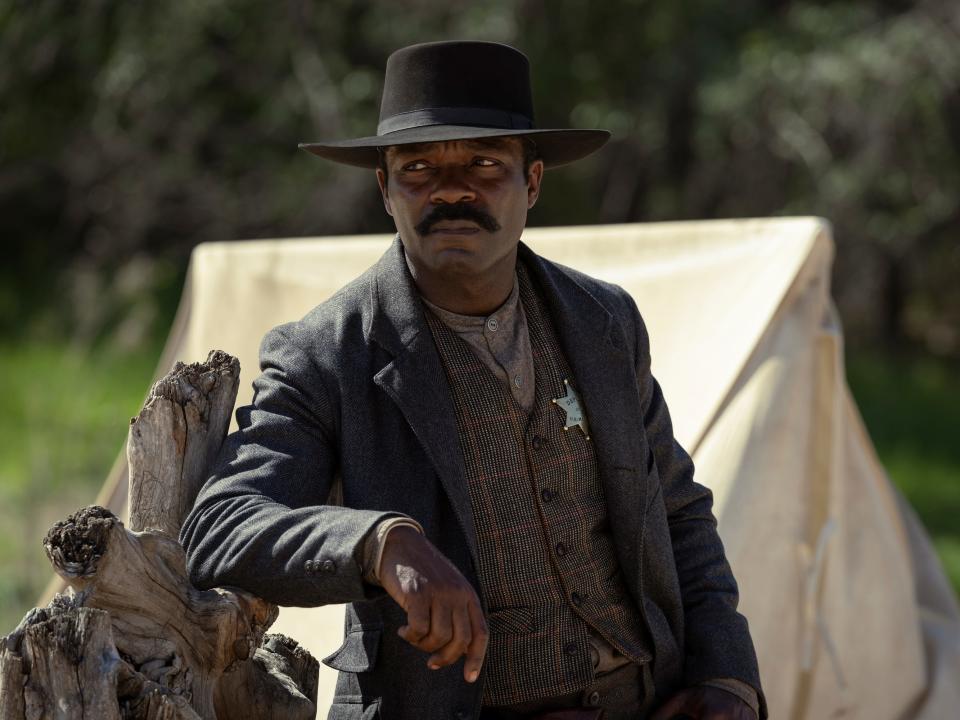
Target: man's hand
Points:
(443, 611)
(704, 703)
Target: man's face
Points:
(461, 205)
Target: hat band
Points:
(481, 117)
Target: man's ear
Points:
(382, 182)
(534, 177)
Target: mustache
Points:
(457, 211)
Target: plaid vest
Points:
(548, 569)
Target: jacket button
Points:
(570, 648)
(594, 699)
(561, 549)
(309, 567)
(576, 598)
(537, 442)
(328, 567)
(547, 494)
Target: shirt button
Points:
(547, 494)
(518, 381)
(328, 567)
(570, 648)
(493, 324)
(537, 442)
(561, 549)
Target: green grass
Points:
(911, 407)
(64, 415)
(65, 419)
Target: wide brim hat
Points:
(459, 90)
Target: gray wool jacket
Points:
(353, 403)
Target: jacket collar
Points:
(397, 316)
(398, 319)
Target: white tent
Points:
(848, 605)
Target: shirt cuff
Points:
(376, 541)
(736, 687)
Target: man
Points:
(516, 530)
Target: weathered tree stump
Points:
(61, 664)
(67, 663)
(175, 439)
(136, 640)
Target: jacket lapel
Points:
(604, 376)
(416, 381)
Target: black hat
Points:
(456, 91)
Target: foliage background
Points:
(129, 132)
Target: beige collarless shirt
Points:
(500, 341)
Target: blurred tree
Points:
(132, 131)
(852, 112)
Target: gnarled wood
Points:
(280, 683)
(175, 635)
(175, 438)
(67, 663)
(136, 640)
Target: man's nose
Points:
(451, 185)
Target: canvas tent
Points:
(849, 608)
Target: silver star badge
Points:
(570, 403)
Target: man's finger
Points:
(441, 628)
(459, 640)
(418, 623)
(477, 649)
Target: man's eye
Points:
(485, 162)
(415, 166)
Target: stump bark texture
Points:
(134, 639)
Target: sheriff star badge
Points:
(570, 404)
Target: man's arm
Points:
(717, 639)
(261, 522)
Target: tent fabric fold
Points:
(849, 608)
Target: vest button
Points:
(570, 648)
(547, 494)
(576, 598)
(537, 442)
(561, 549)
